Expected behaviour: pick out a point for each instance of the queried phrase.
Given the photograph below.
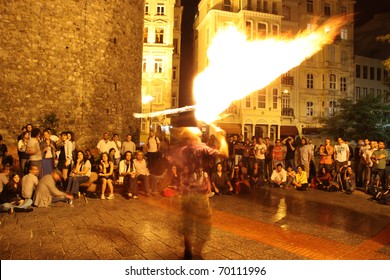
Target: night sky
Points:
(364, 11)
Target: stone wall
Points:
(80, 59)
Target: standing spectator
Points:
(369, 163)
(21, 135)
(277, 154)
(361, 164)
(290, 153)
(164, 145)
(104, 145)
(341, 154)
(34, 150)
(379, 158)
(128, 171)
(326, 153)
(106, 175)
(118, 147)
(30, 182)
(65, 155)
(153, 147)
(268, 159)
(260, 151)
(22, 152)
(305, 155)
(47, 191)
(312, 170)
(72, 140)
(4, 157)
(278, 177)
(49, 152)
(239, 149)
(128, 145)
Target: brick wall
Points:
(79, 59)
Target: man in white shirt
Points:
(260, 149)
(104, 144)
(341, 154)
(279, 176)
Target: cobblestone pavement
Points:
(272, 224)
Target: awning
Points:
(311, 131)
(230, 128)
(288, 130)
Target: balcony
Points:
(287, 80)
(288, 112)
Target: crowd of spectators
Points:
(51, 169)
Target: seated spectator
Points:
(47, 191)
(350, 180)
(79, 174)
(278, 176)
(143, 173)
(128, 171)
(242, 179)
(290, 177)
(220, 182)
(175, 185)
(30, 182)
(106, 175)
(254, 177)
(323, 179)
(301, 181)
(4, 176)
(4, 157)
(11, 197)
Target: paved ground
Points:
(267, 223)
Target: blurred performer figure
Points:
(195, 202)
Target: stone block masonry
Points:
(80, 59)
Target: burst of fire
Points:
(237, 67)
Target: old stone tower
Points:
(80, 59)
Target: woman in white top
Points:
(80, 174)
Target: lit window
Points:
(261, 99)
(344, 34)
(227, 5)
(248, 101)
(160, 9)
(158, 65)
(146, 34)
(159, 35)
(275, 29)
(332, 108)
(310, 81)
(310, 109)
(275, 98)
(144, 65)
(343, 84)
(261, 30)
(358, 70)
(146, 8)
(358, 94)
(248, 29)
(327, 9)
(309, 6)
(332, 81)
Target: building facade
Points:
(160, 61)
(294, 103)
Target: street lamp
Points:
(145, 100)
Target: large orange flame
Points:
(238, 67)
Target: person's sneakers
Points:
(111, 196)
(11, 210)
(211, 194)
(135, 197)
(102, 196)
(129, 195)
(69, 201)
